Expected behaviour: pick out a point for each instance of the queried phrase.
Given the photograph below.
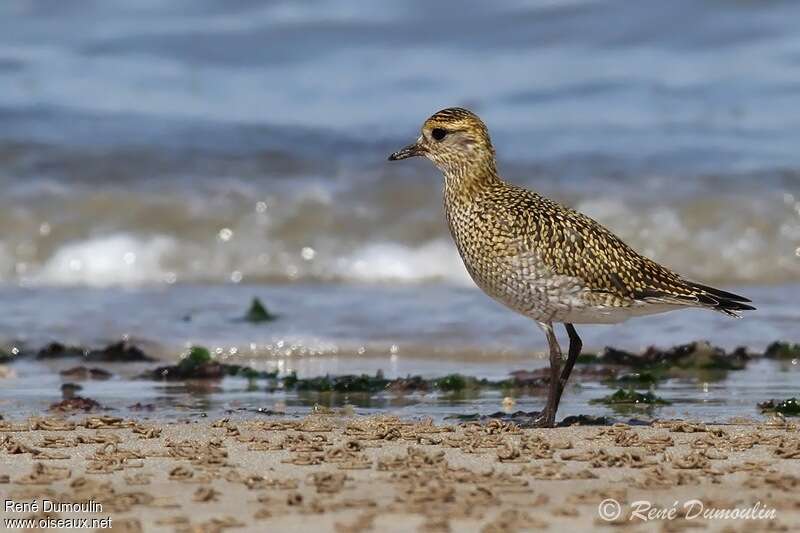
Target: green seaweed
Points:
(694, 356)
(631, 397)
(587, 359)
(290, 380)
(788, 407)
(708, 361)
(199, 364)
(362, 383)
(782, 350)
(249, 373)
(320, 384)
(452, 383)
(197, 356)
(258, 313)
(471, 417)
(346, 383)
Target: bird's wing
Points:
(572, 244)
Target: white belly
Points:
(561, 299)
(611, 315)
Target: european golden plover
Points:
(541, 259)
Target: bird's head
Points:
(455, 140)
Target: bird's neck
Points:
(466, 182)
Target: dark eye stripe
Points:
(438, 133)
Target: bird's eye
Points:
(438, 133)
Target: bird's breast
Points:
(502, 258)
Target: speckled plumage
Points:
(554, 264)
(538, 257)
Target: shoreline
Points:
(358, 473)
(696, 381)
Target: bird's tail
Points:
(722, 301)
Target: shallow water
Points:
(717, 397)
(328, 329)
(327, 323)
(333, 329)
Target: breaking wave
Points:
(346, 236)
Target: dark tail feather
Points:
(720, 294)
(725, 302)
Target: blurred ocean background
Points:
(161, 163)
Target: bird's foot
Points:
(546, 419)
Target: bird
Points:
(541, 259)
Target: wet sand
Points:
(341, 473)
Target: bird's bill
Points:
(412, 150)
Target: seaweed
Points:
(83, 373)
(450, 384)
(118, 352)
(409, 384)
(290, 380)
(530, 419)
(258, 313)
(345, 383)
(587, 359)
(453, 383)
(75, 403)
(470, 417)
(68, 390)
(249, 373)
(703, 356)
(614, 356)
(591, 420)
(196, 364)
(788, 407)
(197, 356)
(630, 397)
(585, 420)
(139, 406)
(319, 384)
(782, 350)
(56, 350)
(695, 357)
(692, 356)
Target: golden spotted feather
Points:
(571, 244)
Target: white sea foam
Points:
(716, 240)
(388, 261)
(124, 259)
(110, 260)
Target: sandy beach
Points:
(328, 472)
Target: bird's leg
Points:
(575, 346)
(548, 416)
